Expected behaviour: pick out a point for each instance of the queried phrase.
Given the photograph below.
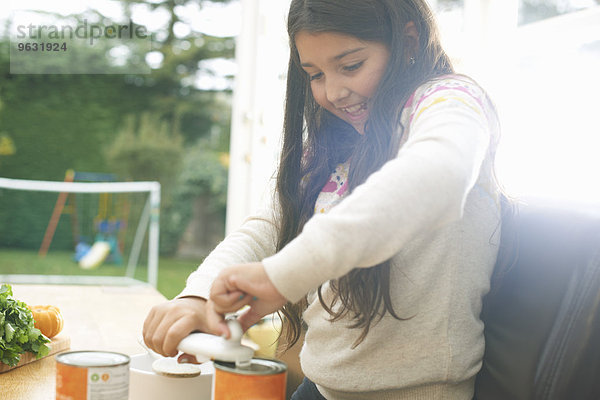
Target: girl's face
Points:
(344, 73)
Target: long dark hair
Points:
(315, 140)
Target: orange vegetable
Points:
(47, 319)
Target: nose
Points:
(335, 90)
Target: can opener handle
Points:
(205, 346)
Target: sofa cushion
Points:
(541, 315)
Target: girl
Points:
(383, 229)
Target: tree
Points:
(536, 10)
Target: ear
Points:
(411, 35)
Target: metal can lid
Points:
(257, 366)
(92, 358)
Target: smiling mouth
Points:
(353, 110)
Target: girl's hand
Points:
(168, 323)
(240, 285)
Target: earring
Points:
(411, 61)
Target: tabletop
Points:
(108, 318)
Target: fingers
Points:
(152, 337)
(230, 302)
(251, 279)
(174, 332)
(216, 321)
(244, 285)
(165, 337)
(225, 296)
(187, 359)
(249, 318)
(169, 322)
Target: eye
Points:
(353, 67)
(315, 76)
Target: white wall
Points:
(544, 78)
(258, 105)
(548, 99)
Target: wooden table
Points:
(96, 318)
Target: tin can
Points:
(92, 375)
(262, 379)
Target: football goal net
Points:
(92, 224)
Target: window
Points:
(539, 59)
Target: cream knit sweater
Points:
(434, 210)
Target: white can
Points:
(92, 375)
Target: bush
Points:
(203, 174)
(150, 151)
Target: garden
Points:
(132, 124)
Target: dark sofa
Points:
(542, 317)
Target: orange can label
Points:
(71, 382)
(92, 375)
(264, 380)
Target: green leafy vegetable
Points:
(17, 333)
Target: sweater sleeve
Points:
(253, 241)
(421, 189)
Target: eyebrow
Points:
(339, 56)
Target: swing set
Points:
(108, 227)
(146, 213)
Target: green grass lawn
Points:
(172, 273)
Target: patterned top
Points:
(334, 190)
(445, 88)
